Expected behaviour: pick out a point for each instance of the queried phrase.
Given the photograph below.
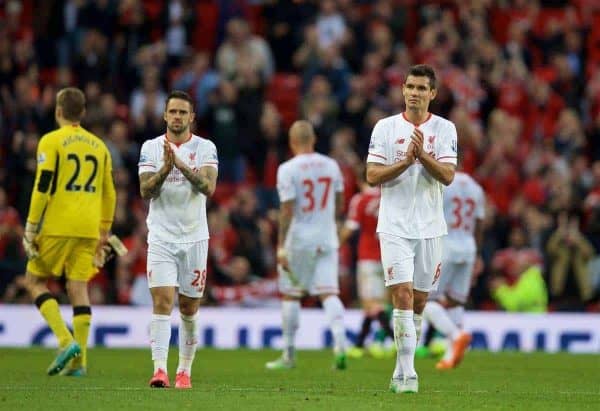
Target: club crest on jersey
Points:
(192, 156)
(41, 158)
(400, 141)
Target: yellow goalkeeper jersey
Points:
(74, 193)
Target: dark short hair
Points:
(72, 102)
(181, 95)
(423, 70)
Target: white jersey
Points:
(411, 204)
(464, 203)
(312, 180)
(178, 214)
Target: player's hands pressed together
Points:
(411, 154)
(417, 141)
(178, 163)
(168, 158)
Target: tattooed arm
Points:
(150, 184)
(203, 180)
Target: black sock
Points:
(364, 331)
(384, 321)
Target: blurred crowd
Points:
(519, 78)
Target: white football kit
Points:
(411, 217)
(312, 180)
(177, 225)
(464, 204)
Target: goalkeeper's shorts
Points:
(72, 256)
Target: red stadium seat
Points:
(284, 92)
(205, 34)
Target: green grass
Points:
(230, 380)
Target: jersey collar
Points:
(177, 144)
(415, 124)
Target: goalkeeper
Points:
(70, 215)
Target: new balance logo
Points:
(192, 156)
(390, 273)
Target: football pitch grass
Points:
(238, 380)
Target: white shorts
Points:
(369, 275)
(455, 281)
(411, 260)
(313, 272)
(178, 265)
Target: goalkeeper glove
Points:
(113, 246)
(29, 245)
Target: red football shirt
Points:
(362, 215)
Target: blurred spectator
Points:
(222, 121)
(527, 293)
(331, 27)
(253, 236)
(569, 254)
(199, 80)
(333, 68)
(242, 48)
(178, 20)
(285, 22)
(271, 151)
(12, 258)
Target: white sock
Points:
(438, 317)
(456, 314)
(160, 335)
(290, 313)
(418, 320)
(405, 337)
(188, 340)
(334, 310)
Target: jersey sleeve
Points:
(46, 167)
(447, 150)
(148, 162)
(353, 221)
(208, 157)
(377, 146)
(480, 208)
(285, 185)
(109, 196)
